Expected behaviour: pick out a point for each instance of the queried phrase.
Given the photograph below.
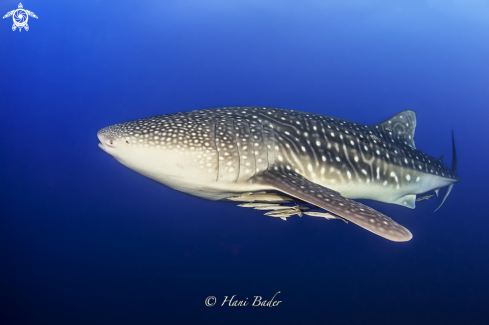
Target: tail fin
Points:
(445, 197)
(454, 168)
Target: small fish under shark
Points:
(241, 153)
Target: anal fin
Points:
(297, 186)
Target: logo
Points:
(20, 17)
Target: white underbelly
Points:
(389, 192)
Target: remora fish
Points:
(283, 214)
(328, 216)
(264, 206)
(271, 207)
(225, 152)
(260, 196)
(320, 214)
(256, 205)
(426, 197)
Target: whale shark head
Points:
(175, 150)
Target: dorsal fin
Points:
(441, 158)
(400, 128)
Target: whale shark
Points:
(237, 152)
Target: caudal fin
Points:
(454, 168)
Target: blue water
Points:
(84, 240)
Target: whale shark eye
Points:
(111, 142)
(127, 142)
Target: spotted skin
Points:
(222, 152)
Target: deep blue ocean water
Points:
(84, 240)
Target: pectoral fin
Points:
(297, 186)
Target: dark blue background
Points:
(84, 240)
